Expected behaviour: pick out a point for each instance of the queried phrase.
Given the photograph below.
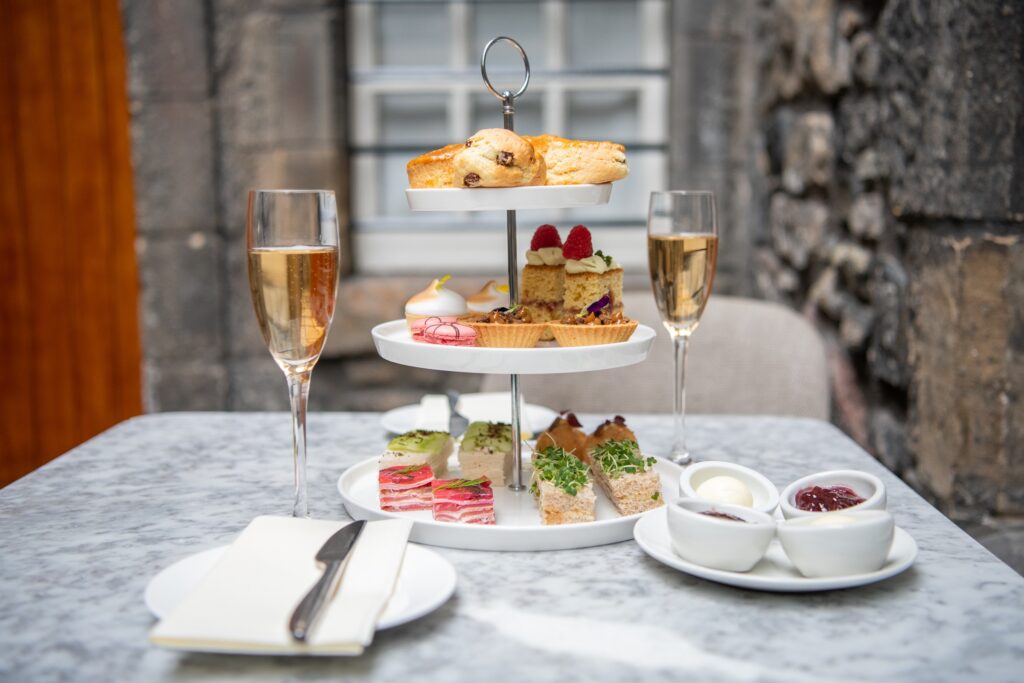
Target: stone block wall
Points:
(893, 151)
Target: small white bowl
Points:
(719, 543)
(764, 493)
(867, 486)
(838, 543)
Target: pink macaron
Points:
(418, 327)
(449, 334)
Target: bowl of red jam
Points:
(832, 491)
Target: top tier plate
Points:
(508, 198)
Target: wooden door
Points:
(69, 330)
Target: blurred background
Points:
(868, 159)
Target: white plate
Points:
(518, 525)
(401, 420)
(425, 582)
(775, 572)
(508, 198)
(394, 343)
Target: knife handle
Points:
(309, 609)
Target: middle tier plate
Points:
(518, 524)
(394, 343)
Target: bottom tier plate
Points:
(518, 524)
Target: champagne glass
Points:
(292, 240)
(682, 250)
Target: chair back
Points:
(748, 357)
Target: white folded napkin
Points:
(247, 599)
(433, 413)
(495, 406)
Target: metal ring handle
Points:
(506, 94)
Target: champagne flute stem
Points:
(680, 454)
(298, 393)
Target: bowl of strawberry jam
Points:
(832, 491)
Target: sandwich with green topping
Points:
(486, 451)
(563, 487)
(419, 447)
(626, 476)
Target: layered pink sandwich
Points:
(405, 488)
(469, 501)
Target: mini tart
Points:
(504, 329)
(592, 334)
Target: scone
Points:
(495, 157)
(433, 169)
(574, 162)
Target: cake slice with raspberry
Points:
(543, 280)
(468, 501)
(589, 276)
(404, 489)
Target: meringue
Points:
(491, 296)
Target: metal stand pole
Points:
(508, 111)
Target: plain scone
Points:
(433, 169)
(495, 157)
(575, 162)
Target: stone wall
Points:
(893, 151)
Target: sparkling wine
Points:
(293, 290)
(682, 272)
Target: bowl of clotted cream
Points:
(717, 481)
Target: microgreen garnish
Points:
(607, 259)
(563, 470)
(407, 470)
(620, 457)
(463, 483)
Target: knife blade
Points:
(333, 552)
(457, 422)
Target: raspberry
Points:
(578, 244)
(545, 236)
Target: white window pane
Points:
(628, 203)
(487, 114)
(412, 34)
(604, 115)
(603, 34)
(518, 20)
(414, 119)
(393, 181)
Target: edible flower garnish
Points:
(463, 483)
(621, 457)
(563, 470)
(599, 304)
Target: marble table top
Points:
(82, 536)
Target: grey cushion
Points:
(747, 357)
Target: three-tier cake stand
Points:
(518, 522)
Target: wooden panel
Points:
(68, 307)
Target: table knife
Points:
(457, 422)
(332, 553)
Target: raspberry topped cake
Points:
(469, 501)
(542, 286)
(404, 489)
(589, 275)
(626, 476)
(419, 447)
(486, 451)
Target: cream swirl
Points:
(491, 296)
(545, 256)
(591, 264)
(436, 300)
